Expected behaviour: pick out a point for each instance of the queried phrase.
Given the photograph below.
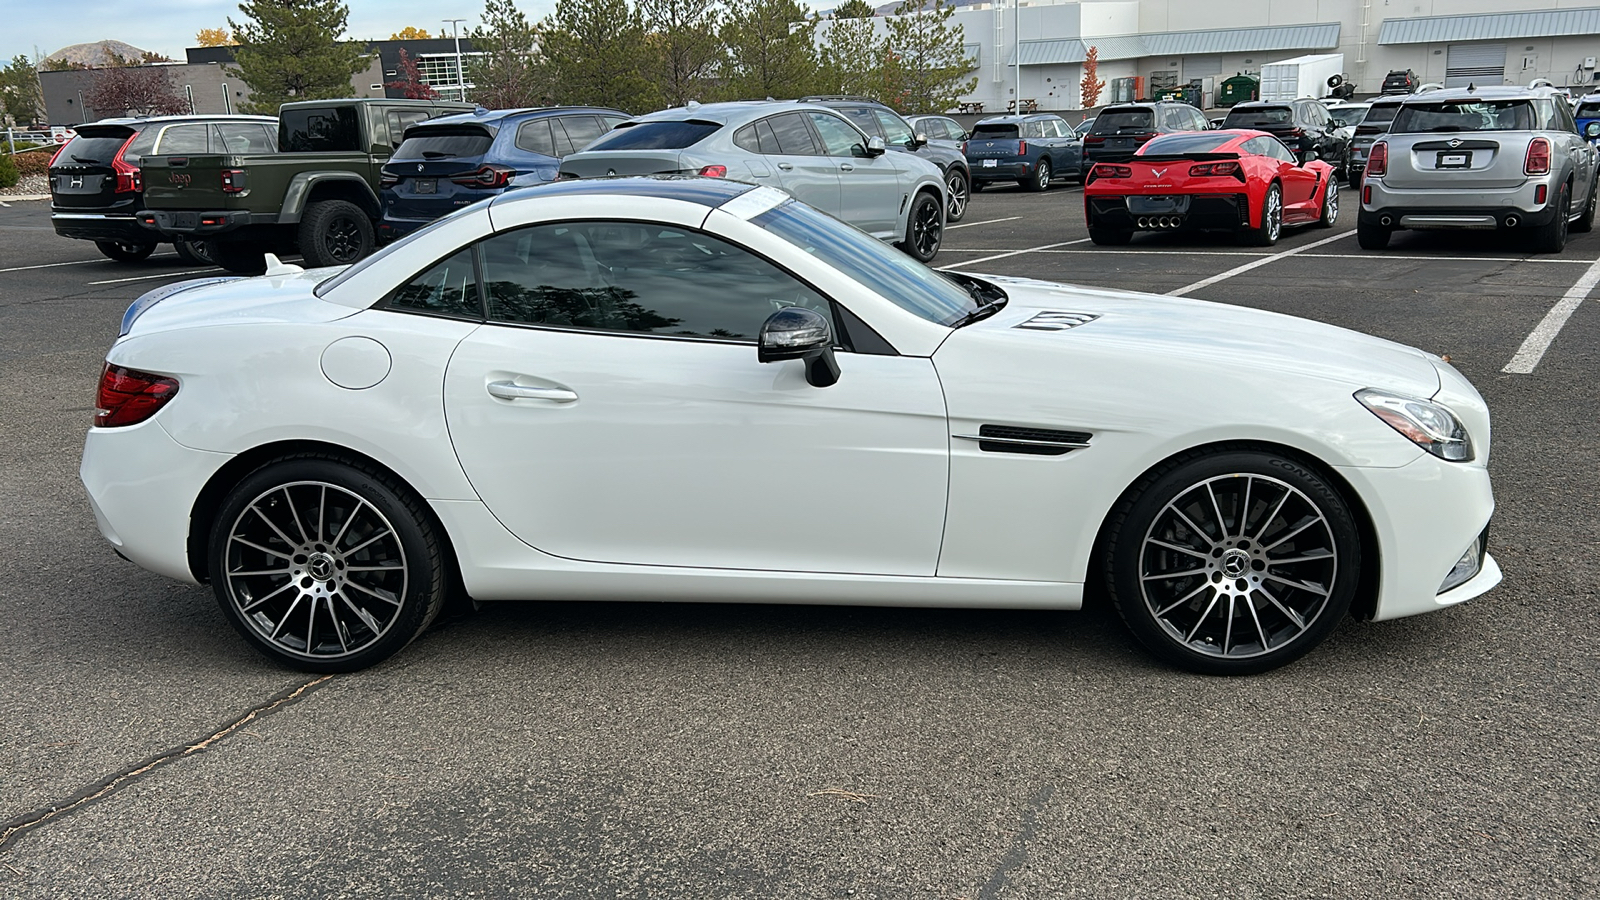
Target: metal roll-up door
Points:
(1479, 64)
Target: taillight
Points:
(1094, 139)
(57, 155)
(487, 177)
(1022, 148)
(1107, 170)
(1207, 170)
(233, 181)
(127, 397)
(1366, 193)
(714, 171)
(387, 180)
(1538, 161)
(1378, 158)
(963, 147)
(128, 180)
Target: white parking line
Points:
(1239, 270)
(76, 262)
(1102, 251)
(156, 275)
(1544, 334)
(985, 222)
(984, 259)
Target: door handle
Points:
(785, 166)
(507, 390)
(846, 167)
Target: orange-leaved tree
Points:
(410, 33)
(214, 37)
(1092, 86)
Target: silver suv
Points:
(811, 151)
(1482, 158)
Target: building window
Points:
(438, 70)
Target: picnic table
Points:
(969, 108)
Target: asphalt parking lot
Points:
(659, 750)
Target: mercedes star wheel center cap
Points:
(1235, 563)
(320, 566)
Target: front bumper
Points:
(1451, 208)
(100, 227)
(182, 223)
(1192, 212)
(142, 487)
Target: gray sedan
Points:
(811, 152)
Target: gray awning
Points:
(1496, 26)
(1324, 36)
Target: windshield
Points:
(1380, 115)
(1464, 115)
(655, 136)
(1587, 110)
(994, 130)
(1186, 142)
(1120, 120)
(877, 266)
(1260, 116)
(1347, 116)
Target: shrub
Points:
(34, 162)
(21, 145)
(9, 176)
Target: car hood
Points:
(233, 301)
(1196, 335)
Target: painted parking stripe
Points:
(985, 222)
(1544, 334)
(984, 259)
(156, 275)
(1240, 270)
(1369, 257)
(76, 262)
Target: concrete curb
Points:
(21, 197)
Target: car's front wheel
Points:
(956, 187)
(325, 565)
(924, 228)
(1233, 563)
(125, 251)
(1330, 204)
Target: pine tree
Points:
(294, 50)
(927, 63)
(683, 34)
(593, 54)
(771, 51)
(19, 88)
(853, 54)
(506, 74)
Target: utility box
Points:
(1303, 76)
(1238, 89)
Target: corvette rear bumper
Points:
(1191, 211)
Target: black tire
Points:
(1271, 219)
(1262, 533)
(956, 185)
(345, 546)
(126, 251)
(924, 228)
(1110, 237)
(334, 233)
(194, 253)
(977, 187)
(239, 257)
(1585, 223)
(1372, 236)
(1330, 204)
(1041, 177)
(1552, 237)
(1353, 180)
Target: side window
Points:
(863, 119)
(534, 137)
(610, 122)
(141, 146)
(401, 119)
(1197, 120)
(892, 127)
(1564, 115)
(746, 139)
(239, 137)
(581, 130)
(838, 138)
(637, 279)
(794, 137)
(955, 129)
(1280, 151)
(182, 139)
(767, 137)
(313, 130)
(449, 288)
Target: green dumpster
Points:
(1238, 89)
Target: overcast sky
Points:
(169, 26)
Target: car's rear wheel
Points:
(1354, 179)
(1552, 237)
(1110, 237)
(924, 228)
(126, 251)
(955, 183)
(335, 233)
(1271, 227)
(326, 566)
(1233, 563)
(1041, 177)
(1330, 204)
(193, 253)
(240, 257)
(1371, 235)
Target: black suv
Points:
(95, 185)
(1119, 131)
(1400, 81)
(1304, 125)
(878, 120)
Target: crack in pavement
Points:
(102, 789)
(1018, 852)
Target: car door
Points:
(1299, 183)
(1579, 150)
(613, 410)
(804, 170)
(870, 188)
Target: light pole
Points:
(461, 82)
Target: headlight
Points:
(1429, 425)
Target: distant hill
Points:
(98, 53)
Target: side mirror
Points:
(920, 139)
(875, 146)
(795, 332)
(1309, 155)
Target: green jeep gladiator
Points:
(317, 194)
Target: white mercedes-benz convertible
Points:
(692, 389)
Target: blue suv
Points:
(454, 161)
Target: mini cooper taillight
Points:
(1378, 159)
(1538, 160)
(128, 397)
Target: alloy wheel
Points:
(1274, 214)
(343, 239)
(315, 570)
(1330, 203)
(956, 184)
(1238, 566)
(926, 230)
(1043, 175)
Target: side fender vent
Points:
(1030, 441)
(1057, 321)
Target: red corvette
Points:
(1242, 181)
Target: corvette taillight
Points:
(1207, 170)
(487, 177)
(1378, 158)
(1538, 160)
(1107, 170)
(128, 397)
